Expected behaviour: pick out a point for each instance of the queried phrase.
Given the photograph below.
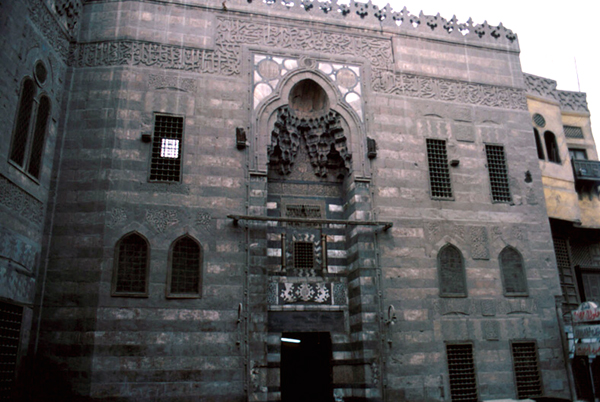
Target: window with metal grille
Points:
(573, 132)
(568, 281)
(451, 272)
(186, 263)
(461, 372)
(166, 149)
(304, 255)
(538, 145)
(10, 336)
(498, 173)
(527, 372)
(439, 172)
(551, 147)
(131, 273)
(513, 272)
(30, 129)
(539, 120)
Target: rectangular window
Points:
(527, 372)
(573, 132)
(579, 154)
(10, 336)
(166, 149)
(498, 173)
(461, 372)
(439, 173)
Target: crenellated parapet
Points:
(546, 88)
(371, 15)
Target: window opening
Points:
(166, 148)
(185, 268)
(132, 266)
(513, 272)
(461, 371)
(573, 132)
(579, 154)
(39, 137)
(538, 144)
(21, 134)
(304, 255)
(451, 273)
(551, 147)
(539, 120)
(527, 373)
(498, 173)
(439, 172)
(10, 336)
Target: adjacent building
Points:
(252, 200)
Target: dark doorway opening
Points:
(306, 373)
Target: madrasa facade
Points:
(249, 200)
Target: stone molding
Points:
(21, 202)
(546, 88)
(415, 86)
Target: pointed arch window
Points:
(538, 144)
(451, 269)
(551, 147)
(513, 272)
(132, 256)
(184, 277)
(31, 126)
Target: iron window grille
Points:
(304, 257)
(539, 120)
(439, 172)
(513, 272)
(10, 336)
(461, 372)
(498, 172)
(184, 278)
(451, 272)
(131, 271)
(573, 132)
(166, 149)
(526, 369)
(31, 126)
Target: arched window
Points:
(513, 272)
(551, 147)
(131, 266)
(451, 270)
(185, 264)
(538, 144)
(31, 125)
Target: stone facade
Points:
(330, 163)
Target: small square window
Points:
(169, 148)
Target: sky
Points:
(553, 37)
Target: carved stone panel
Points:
(20, 202)
(479, 243)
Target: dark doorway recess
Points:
(306, 367)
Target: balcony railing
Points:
(585, 170)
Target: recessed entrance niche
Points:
(308, 100)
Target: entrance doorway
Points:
(306, 373)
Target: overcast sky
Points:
(551, 36)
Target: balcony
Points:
(587, 176)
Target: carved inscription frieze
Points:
(232, 32)
(415, 86)
(20, 202)
(225, 60)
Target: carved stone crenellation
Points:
(546, 88)
(20, 202)
(415, 86)
(324, 137)
(70, 9)
(403, 20)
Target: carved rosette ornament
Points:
(324, 137)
